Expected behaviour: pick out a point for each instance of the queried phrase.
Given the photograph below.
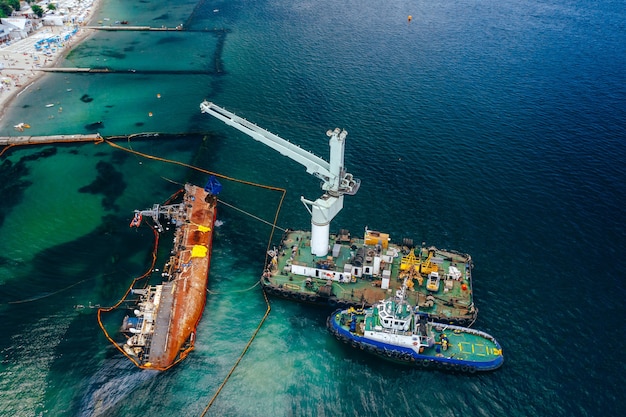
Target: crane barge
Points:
(341, 270)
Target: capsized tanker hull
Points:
(162, 331)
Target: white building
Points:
(17, 27)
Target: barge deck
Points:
(360, 271)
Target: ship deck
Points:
(298, 274)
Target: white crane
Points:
(335, 180)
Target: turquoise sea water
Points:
(495, 128)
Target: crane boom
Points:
(335, 180)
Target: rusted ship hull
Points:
(163, 330)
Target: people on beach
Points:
(21, 61)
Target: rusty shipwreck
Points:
(160, 330)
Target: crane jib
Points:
(335, 180)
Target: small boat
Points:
(21, 126)
(395, 330)
(50, 105)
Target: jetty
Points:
(135, 28)
(106, 70)
(30, 140)
(179, 28)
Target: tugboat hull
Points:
(421, 343)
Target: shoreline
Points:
(20, 63)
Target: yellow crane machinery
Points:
(427, 266)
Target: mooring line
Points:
(232, 370)
(206, 171)
(28, 300)
(235, 291)
(251, 215)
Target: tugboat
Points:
(394, 329)
(340, 270)
(160, 331)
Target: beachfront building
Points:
(17, 27)
(25, 12)
(5, 32)
(53, 20)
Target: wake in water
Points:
(110, 386)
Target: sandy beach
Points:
(23, 64)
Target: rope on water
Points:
(235, 291)
(170, 161)
(172, 181)
(6, 148)
(130, 287)
(28, 300)
(232, 370)
(251, 215)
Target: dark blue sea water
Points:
(496, 128)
